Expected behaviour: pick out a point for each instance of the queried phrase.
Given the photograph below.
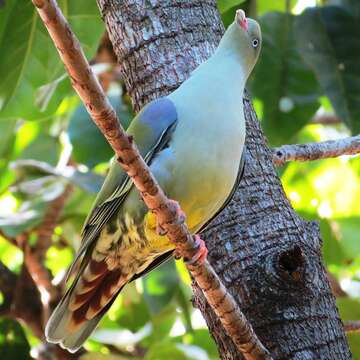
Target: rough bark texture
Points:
(266, 255)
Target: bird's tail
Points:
(84, 304)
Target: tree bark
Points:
(267, 256)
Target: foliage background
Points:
(309, 67)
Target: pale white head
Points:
(243, 38)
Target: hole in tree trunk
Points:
(292, 261)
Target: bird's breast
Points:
(207, 149)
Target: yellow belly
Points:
(157, 243)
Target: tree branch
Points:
(99, 108)
(326, 119)
(352, 326)
(316, 150)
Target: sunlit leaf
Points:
(29, 60)
(348, 230)
(44, 147)
(202, 338)
(122, 338)
(263, 6)
(100, 356)
(224, 5)
(87, 180)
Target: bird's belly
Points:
(204, 184)
(204, 192)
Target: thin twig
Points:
(100, 110)
(316, 150)
(34, 256)
(51, 218)
(352, 326)
(326, 119)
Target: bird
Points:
(193, 141)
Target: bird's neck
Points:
(223, 72)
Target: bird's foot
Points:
(201, 253)
(180, 217)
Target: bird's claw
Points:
(177, 255)
(160, 230)
(201, 253)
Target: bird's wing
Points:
(151, 130)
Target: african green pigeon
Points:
(193, 140)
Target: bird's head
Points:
(244, 37)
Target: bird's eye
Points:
(255, 43)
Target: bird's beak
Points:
(241, 19)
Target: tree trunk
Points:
(268, 257)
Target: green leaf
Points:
(133, 314)
(202, 338)
(332, 249)
(87, 180)
(37, 193)
(185, 306)
(224, 5)
(353, 6)
(263, 6)
(100, 356)
(284, 84)
(13, 342)
(328, 39)
(29, 60)
(160, 286)
(165, 351)
(44, 147)
(121, 337)
(89, 145)
(354, 342)
(7, 131)
(349, 309)
(348, 230)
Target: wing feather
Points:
(151, 129)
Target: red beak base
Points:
(241, 19)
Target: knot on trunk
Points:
(287, 271)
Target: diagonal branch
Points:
(316, 150)
(91, 93)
